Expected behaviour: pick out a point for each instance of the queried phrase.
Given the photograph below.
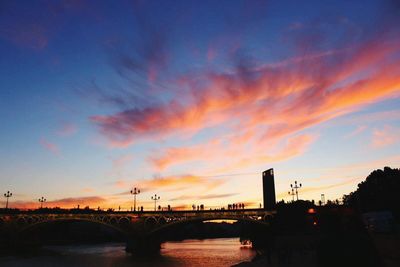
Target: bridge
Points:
(141, 229)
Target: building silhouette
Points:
(269, 189)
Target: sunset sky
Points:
(192, 100)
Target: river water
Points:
(208, 252)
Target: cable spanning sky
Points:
(192, 100)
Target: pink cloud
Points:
(53, 148)
(174, 183)
(385, 137)
(271, 97)
(291, 147)
(236, 150)
(265, 107)
(360, 129)
(121, 161)
(67, 129)
(72, 202)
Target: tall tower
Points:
(269, 189)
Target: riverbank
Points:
(299, 250)
(344, 249)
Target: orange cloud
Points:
(88, 190)
(293, 146)
(260, 106)
(174, 183)
(92, 201)
(175, 155)
(269, 96)
(182, 181)
(232, 151)
(203, 197)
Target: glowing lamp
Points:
(311, 211)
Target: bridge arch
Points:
(27, 224)
(179, 221)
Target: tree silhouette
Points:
(377, 192)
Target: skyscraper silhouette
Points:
(269, 189)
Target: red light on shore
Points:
(311, 211)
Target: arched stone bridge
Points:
(138, 227)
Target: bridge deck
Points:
(185, 213)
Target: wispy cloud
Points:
(203, 197)
(121, 161)
(386, 136)
(34, 25)
(72, 202)
(251, 98)
(360, 129)
(322, 188)
(51, 147)
(67, 129)
(175, 183)
(88, 190)
(293, 146)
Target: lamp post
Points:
(292, 193)
(42, 200)
(295, 187)
(155, 198)
(135, 191)
(323, 199)
(7, 195)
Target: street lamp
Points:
(135, 191)
(295, 187)
(292, 193)
(7, 195)
(42, 200)
(155, 198)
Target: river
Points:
(208, 252)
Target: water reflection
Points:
(209, 252)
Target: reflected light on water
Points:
(208, 252)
